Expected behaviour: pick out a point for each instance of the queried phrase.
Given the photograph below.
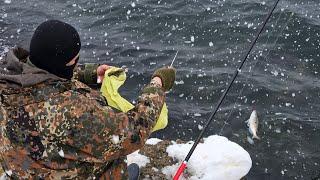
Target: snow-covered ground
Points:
(215, 158)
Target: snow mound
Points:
(216, 158)
(135, 157)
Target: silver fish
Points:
(252, 124)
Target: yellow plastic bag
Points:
(113, 80)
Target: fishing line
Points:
(255, 63)
(251, 67)
(291, 15)
(184, 164)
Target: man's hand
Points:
(157, 80)
(167, 75)
(101, 71)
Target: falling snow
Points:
(280, 77)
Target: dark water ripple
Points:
(280, 78)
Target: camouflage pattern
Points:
(87, 73)
(65, 130)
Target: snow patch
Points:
(9, 172)
(155, 169)
(115, 139)
(153, 141)
(216, 158)
(61, 153)
(3, 176)
(137, 158)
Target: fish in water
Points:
(252, 124)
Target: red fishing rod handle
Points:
(180, 170)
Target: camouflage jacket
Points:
(51, 128)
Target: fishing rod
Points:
(174, 59)
(184, 163)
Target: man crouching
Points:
(56, 127)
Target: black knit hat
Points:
(53, 45)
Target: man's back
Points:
(45, 128)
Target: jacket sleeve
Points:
(86, 73)
(106, 134)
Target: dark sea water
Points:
(280, 79)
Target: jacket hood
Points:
(15, 73)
